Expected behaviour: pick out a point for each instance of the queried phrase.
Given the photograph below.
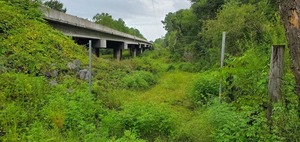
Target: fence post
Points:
(276, 73)
(222, 61)
(90, 66)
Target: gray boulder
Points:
(75, 65)
(84, 74)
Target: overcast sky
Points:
(145, 15)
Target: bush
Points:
(21, 97)
(187, 67)
(286, 124)
(139, 80)
(231, 125)
(205, 87)
(171, 68)
(74, 113)
(148, 121)
(147, 64)
(129, 136)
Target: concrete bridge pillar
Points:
(117, 47)
(132, 50)
(96, 47)
(103, 43)
(139, 50)
(118, 53)
(125, 46)
(143, 48)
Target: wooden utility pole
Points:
(290, 14)
(276, 73)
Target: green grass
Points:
(171, 93)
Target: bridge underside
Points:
(116, 46)
(101, 40)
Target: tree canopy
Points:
(55, 4)
(106, 19)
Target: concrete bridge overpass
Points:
(82, 30)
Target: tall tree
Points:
(206, 9)
(55, 4)
(290, 12)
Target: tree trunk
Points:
(290, 14)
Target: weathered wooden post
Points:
(276, 73)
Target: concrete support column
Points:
(103, 43)
(96, 47)
(143, 48)
(139, 50)
(125, 46)
(118, 53)
(132, 50)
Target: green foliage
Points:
(21, 97)
(286, 123)
(106, 19)
(243, 78)
(231, 125)
(31, 108)
(182, 27)
(36, 105)
(26, 49)
(159, 43)
(187, 66)
(244, 87)
(28, 8)
(55, 4)
(139, 80)
(204, 88)
(237, 21)
(205, 9)
(130, 137)
(149, 121)
(194, 35)
(196, 129)
(75, 113)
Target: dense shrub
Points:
(149, 121)
(71, 112)
(187, 67)
(231, 125)
(139, 80)
(128, 136)
(26, 49)
(204, 88)
(147, 64)
(21, 97)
